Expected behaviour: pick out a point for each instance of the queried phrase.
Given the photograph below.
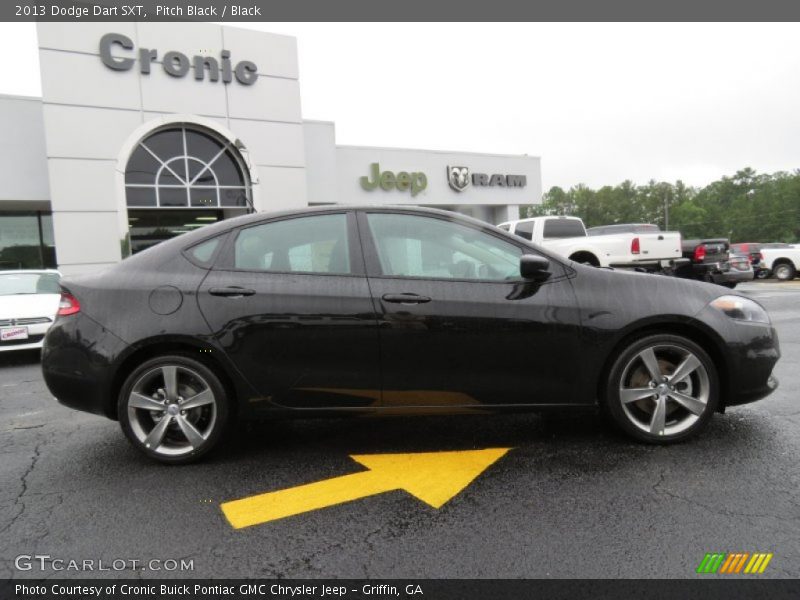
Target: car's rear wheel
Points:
(662, 389)
(173, 408)
(784, 272)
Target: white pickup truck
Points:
(783, 262)
(638, 247)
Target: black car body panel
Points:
(307, 343)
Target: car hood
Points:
(646, 293)
(23, 306)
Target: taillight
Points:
(635, 248)
(68, 305)
(700, 253)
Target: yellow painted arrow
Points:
(433, 477)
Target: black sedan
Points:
(329, 311)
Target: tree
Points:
(747, 206)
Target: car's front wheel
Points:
(662, 388)
(173, 408)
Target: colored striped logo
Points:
(734, 562)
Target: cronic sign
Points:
(118, 53)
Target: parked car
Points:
(630, 246)
(28, 305)
(380, 310)
(740, 269)
(753, 251)
(782, 261)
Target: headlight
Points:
(741, 309)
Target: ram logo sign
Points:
(459, 179)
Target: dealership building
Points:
(148, 130)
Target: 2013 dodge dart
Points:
(387, 310)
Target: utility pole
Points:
(666, 211)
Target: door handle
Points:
(231, 292)
(406, 298)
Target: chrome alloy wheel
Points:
(172, 410)
(783, 272)
(664, 389)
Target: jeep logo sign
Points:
(402, 181)
(175, 64)
(459, 179)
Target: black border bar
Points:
(733, 588)
(407, 10)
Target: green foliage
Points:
(125, 245)
(745, 207)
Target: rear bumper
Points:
(733, 276)
(77, 371)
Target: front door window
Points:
(414, 246)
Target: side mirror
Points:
(533, 266)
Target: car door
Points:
(458, 325)
(288, 301)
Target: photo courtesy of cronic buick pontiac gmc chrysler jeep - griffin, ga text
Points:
(332, 311)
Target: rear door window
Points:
(315, 244)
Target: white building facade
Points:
(148, 130)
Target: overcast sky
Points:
(599, 103)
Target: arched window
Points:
(184, 167)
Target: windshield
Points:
(29, 283)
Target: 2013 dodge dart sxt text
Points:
(397, 311)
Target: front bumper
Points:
(753, 357)
(757, 393)
(749, 352)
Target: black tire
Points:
(628, 365)
(784, 272)
(192, 378)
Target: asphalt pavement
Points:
(569, 499)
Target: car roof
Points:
(235, 222)
(198, 236)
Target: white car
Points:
(29, 301)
